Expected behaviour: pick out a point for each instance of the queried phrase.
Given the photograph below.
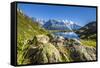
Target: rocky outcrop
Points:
(82, 53)
(42, 38)
(58, 41)
(44, 51)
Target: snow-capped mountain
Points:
(72, 25)
(61, 25)
(55, 25)
(39, 21)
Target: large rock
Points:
(43, 51)
(58, 41)
(42, 38)
(82, 53)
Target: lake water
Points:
(70, 35)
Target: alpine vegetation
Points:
(53, 40)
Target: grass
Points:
(26, 30)
(89, 42)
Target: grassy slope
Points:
(26, 29)
(88, 35)
(89, 43)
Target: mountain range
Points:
(61, 25)
(53, 24)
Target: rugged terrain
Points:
(35, 45)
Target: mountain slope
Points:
(88, 31)
(26, 30)
(27, 27)
(39, 21)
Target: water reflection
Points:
(70, 35)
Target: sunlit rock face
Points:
(58, 41)
(42, 38)
(82, 53)
(45, 52)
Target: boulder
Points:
(46, 53)
(82, 53)
(42, 38)
(43, 51)
(58, 41)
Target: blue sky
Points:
(81, 15)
